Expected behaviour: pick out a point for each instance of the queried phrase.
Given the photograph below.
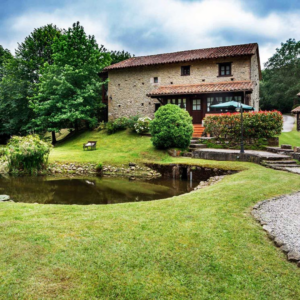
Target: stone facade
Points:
(127, 88)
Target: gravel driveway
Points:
(280, 217)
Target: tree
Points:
(118, 56)
(69, 90)
(281, 78)
(36, 50)
(4, 56)
(20, 76)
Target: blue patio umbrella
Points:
(232, 104)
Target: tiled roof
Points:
(185, 56)
(296, 110)
(216, 87)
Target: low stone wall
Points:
(132, 170)
(189, 172)
(227, 156)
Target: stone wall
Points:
(127, 88)
(255, 78)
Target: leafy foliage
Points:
(27, 153)
(20, 76)
(131, 122)
(69, 89)
(171, 127)
(256, 125)
(117, 125)
(118, 56)
(4, 56)
(142, 125)
(281, 83)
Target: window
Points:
(238, 98)
(184, 103)
(210, 101)
(185, 71)
(157, 106)
(155, 80)
(227, 99)
(179, 102)
(197, 104)
(225, 69)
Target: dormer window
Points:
(225, 69)
(185, 70)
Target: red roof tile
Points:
(185, 56)
(202, 88)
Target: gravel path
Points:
(288, 123)
(280, 217)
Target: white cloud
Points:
(184, 25)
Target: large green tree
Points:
(69, 91)
(20, 75)
(118, 56)
(281, 78)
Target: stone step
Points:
(196, 141)
(279, 150)
(286, 162)
(283, 166)
(198, 146)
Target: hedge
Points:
(256, 125)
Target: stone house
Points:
(193, 80)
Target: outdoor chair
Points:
(90, 144)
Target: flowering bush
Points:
(27, 153)
(256, 125)
(142, 125)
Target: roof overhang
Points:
(202, 88)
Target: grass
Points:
(201, 245)
(290, 138)
(115, 149)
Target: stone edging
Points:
(291, 255)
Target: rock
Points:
(294, 256)
(267, 228)
(132, 168)
(284, 248)
(4, 198)
(131, 164)
(278, 242)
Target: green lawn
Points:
(291, 138)
(201, 245)
(114, 149)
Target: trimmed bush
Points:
(29, 154)
(171, 128)
(256, 125)
(142, 125)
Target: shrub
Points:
(101, 126)
(256, 125)
(131, 122)
(117, 125)
(99, 167)
(27, 153)
(142, 125)
(171, 127)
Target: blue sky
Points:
(148, 27)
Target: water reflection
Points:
(90, 190)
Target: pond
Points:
(91, 190)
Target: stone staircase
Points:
(196, 144)
(198, 130)
(290, 165)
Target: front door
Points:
(196, 110)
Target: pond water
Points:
(91, 190)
